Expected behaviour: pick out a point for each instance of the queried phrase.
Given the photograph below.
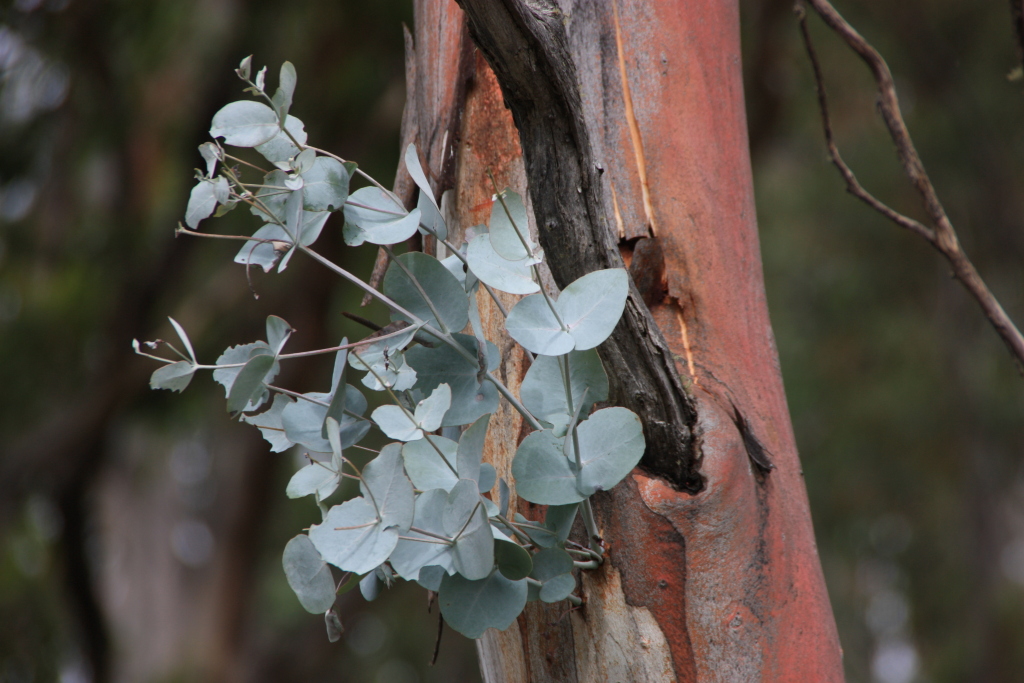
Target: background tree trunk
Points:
(632, 148)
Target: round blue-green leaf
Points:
(385, 482)
(543, 388)
(351, 537)
(175, 376)
(440, 286)
(308, 575)
(513, 560)
(270, 425)
(280, 148)
(472, 607)
(532, 324)
(470, 398)
(248, 387)
(611, 445)
(542, 473)
(412, 558)
(426, 468)
(373, 216)
(201, 203)
(504, 237)
(245, 124)
(326, 185)
(591, 306)
(551, 562)
(315, 478)
(514, 277)
(558, 588)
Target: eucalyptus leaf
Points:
(396, 423)
(174, 376)
(470, 398)
(385, 483)
(317, 477)
(543, 388)
(303, 420)
(471, 449)
(334, 627)
(431, 220)
(506, 240)
(485, 482)
(543, 475)
(270, 199)
(426, 468)
(270, 425)
(211, 155)
(438, 284)
(280, 148)
(286, 89)
(429, 209)
(560, 518)
(592, 305)
(201, 203)
(245, 124)
(513, 560)
(430, 577)
(339, 390)
(369, 586)
(308, 575)
(249, 386)
(325, 185)
(532, 324)
(551, 562)
(472, 607)
(352, 538)
(611, 445)
(465, 520)
(411, 558)
(278, 331)
(260, 251)
(558, 588)
(373, 216)
(514, 277)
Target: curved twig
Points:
(940, 234)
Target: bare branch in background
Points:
(940, 233)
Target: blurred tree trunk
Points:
(625, 126)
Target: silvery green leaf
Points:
(430, 577)
(505, 238)
(248, 389)
(560, 518)
(465, 520)
(280, 148)
(286, 89)
(411, 558)
(431, 220)
(316, 478)
(304, 160)
(201, 203)
(426, 468)
(472, 607)
(184, 338)
(308, 575)
(303, 420)
(312, 224)
(326, 184)
(293, 216)
(351, 537)
(384, 482)
(514, 277)
(412, 164)
(261, 79)
(396, 424)
(221, 190)
(488, 475)
(211, 153)
(503, 495)
(456, 267)
(269, 424)
(543, 388)
(470, 397)
(271, 198)
(430, 411)
(339, 399)
(174, 376)
(245, 123)
(471, 449)
(237, 356)
(373, 216)
(513, 560)
(334, 627)
(369, 586)
(261, 252)
(244, 69)
(558, 588)
(532, 324)
(611, 445)
(592, 305)
(278, 331)
(551, 562)
(543, 475)
(437, 282)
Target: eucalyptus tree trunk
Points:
(623, 123)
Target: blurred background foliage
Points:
(140, 532)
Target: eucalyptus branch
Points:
(593, 536)
(940, 234)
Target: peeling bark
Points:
(625, 129)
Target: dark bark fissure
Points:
(526, 45)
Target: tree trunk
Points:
(625, 129)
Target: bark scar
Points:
(634, 130)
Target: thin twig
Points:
(940, 234)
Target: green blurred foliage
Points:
(907, 408)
